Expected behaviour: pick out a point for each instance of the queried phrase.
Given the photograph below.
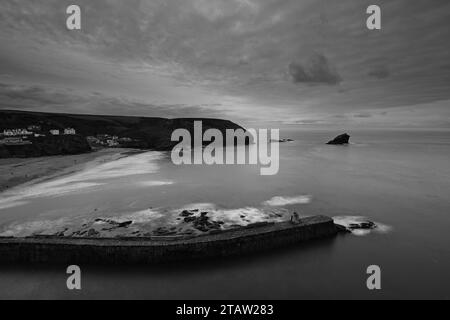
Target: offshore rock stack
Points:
(340, 140)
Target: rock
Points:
(92, 233)
(124, 224)
(365, 225)
(342, 229)
(61, 233)
(161, 231)
(114, 223)
(340, 140)
(204, 224)
(281, 140)
(186, 213)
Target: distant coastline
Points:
(26, 134)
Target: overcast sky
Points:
(257, 62)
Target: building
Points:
(34, 128)
(54, 132)
(112, 143)
(8, 133)
(16, 132)
(69, 131)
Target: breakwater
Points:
(60, 250)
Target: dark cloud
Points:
(305, 122)
(380, 72)
(362, 115)
(35, 98)
(316, 70)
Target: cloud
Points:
(317, 70)
(176, 56)
(362, 115)
(303, 121)
(40, 98)
(380, 72)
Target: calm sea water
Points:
(399, 179)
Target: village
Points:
(21, 136)
(25, 136)
(108, 141)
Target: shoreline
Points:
(15, 172)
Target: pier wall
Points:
(148, 251)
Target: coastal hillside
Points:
(46, 146)
(138, 132)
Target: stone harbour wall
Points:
(148, 251)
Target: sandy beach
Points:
(15, 171)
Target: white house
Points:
(54, 132)
(70, 131)
(8, 133)
(34, 128)
(112, 143)
(16, 132)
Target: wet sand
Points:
(15, 171)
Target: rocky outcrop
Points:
(340, 140)
(201, 222)
(363, 225)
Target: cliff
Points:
(153, 133)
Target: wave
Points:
(244, 216)
(33, 227)
(143, 163)
(240, 216)
(200, 206)
(11, 203)
(142, 216)
(154, 183)
(280, 201)
(88, 179)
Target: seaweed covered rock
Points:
(202, 222)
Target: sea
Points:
(399, 179)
